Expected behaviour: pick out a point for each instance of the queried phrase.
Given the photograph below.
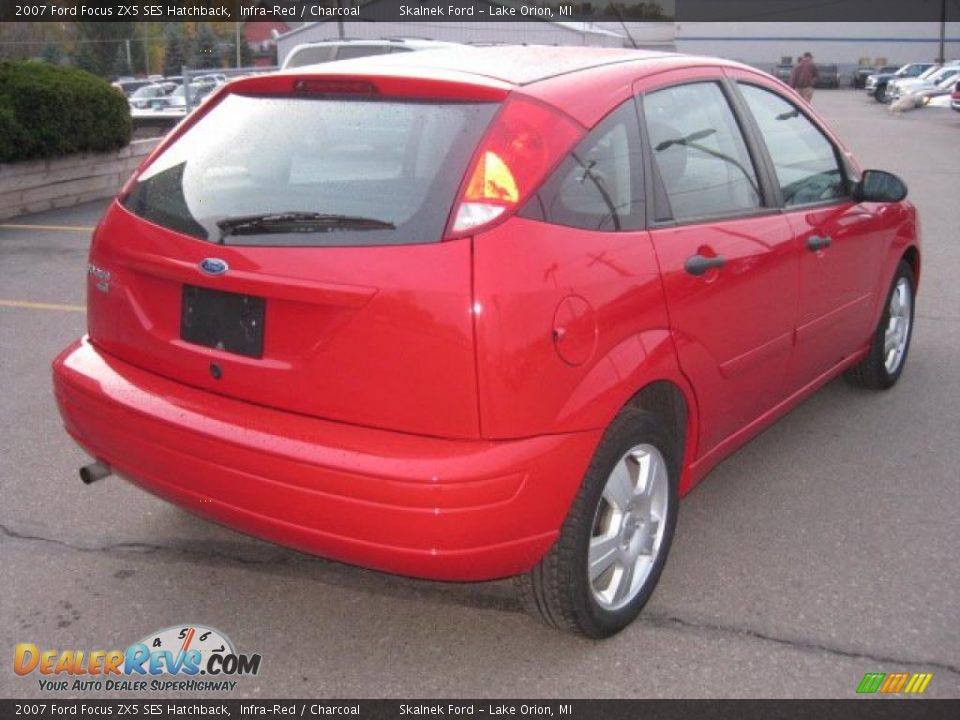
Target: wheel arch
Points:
(676, 407)
(911, 256)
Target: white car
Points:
(925, 96)
(929, 79)
(142, 98)
(330, 50)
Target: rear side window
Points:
(700, 152)
(313, 171)
(805, 161)
(599, 185)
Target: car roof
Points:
(552, 74)
(513, 64)
(380, 42)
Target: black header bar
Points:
(513, 709)
(479, 10)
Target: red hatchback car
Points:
(473, 314)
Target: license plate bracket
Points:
(222, 320)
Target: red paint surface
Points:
(430, 409)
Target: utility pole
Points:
(238, 43)
(942, 56)
(339, 21)
(146, 48)
(129, 57)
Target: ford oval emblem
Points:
(213, 266)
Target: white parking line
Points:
(61, 228)
(29, 305)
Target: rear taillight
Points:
(526, 140)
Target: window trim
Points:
(652, 172)
(638, 177)
(838, 155)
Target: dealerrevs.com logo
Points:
(181, 658)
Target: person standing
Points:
(803, 77)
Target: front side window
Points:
(700, 152)
(805, 161)
(599, 184)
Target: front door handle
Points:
(815, 242)
(699, 264)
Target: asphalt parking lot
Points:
(823, 550)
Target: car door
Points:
(725, 253)
(839, 242)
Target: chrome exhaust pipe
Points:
(95, 471)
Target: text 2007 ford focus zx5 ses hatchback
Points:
(472, 315)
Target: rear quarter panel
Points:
(528, 277)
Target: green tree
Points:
(120, 65)
(206, 49)
(176, 49)
(635, 10)
(99, 42)
(84, 59)
(246, 52)
(52, 53)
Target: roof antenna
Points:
(619, 12)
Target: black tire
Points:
(881, 94)
(557, 590)
(871, 372)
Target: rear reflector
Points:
(328, 86)
(526, 140)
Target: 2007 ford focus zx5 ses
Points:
(475, 314)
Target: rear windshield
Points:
(313, 171)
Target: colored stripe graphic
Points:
(894, 683)
(918, 683)
(871, 682)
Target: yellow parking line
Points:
(42, 306)
(62, 228)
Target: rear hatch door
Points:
(286, 249)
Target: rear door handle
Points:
(699, 264)
(815, 242)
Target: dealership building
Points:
(761, 44)
(846, 44)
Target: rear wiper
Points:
(297, 222)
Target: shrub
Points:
(48, 111)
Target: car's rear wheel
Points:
(882, 366)
(614, 542)
(881, 94)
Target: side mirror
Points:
(879, 186)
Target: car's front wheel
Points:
(882, 366)
(614, 542)
(881, 94)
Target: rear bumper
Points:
(413, 505)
